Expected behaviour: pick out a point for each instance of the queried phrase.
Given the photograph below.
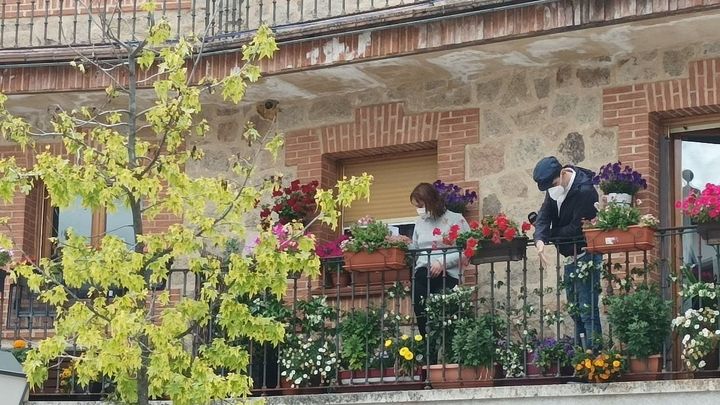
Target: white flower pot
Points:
(619, 198)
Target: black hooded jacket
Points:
(564, 228)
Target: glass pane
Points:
(120, 224)
(700, 163)
(76, 217)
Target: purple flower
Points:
(616, 178)
(456, 199)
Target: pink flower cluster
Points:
(702, 207)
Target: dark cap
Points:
(546, 171)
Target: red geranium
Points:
(293, 203)
(702, 207)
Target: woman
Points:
(434, 270)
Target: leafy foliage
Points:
(640, 320)
(371, 235)
(136, 159)
(474, 341)
(361, 335)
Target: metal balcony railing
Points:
(49, 23)
(358, 318)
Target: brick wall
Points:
(450, 32)
(639, 111)
(384, 130)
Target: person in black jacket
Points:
(570, 199)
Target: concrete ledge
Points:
(695, 392)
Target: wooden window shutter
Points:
(394, 180)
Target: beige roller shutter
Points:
(394, 180)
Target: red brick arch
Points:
(638, 112)
(385, 129)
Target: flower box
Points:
(710, 232)
(636, 238)
(505, 251)
(379, 260)
(453, 375)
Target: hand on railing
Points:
(540, 245)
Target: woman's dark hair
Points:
(428, 195)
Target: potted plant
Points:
(456, 199)
(408, 353)
(331, 257)
(698, 327)
(308, 357)
(372, 247)
(444, 310)
(293, 203)
(603, 367)
(494, 239)
(620, 227)
(618, 183)
(641, 322)
(362, 355)
(549, 353)
(704, 211)
(473, 350)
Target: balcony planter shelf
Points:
(710, 232)
(636, 238)
(505, 251)
(375, 376)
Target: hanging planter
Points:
(710, 232)
(635, 238)
(505, 251)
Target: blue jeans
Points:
(584, 292)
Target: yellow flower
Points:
(616, 364)
(388, 343)
(605, 357)
(409, 355)
(604, 376)
(617, 356)
(599, 363)
(403, 351)
(579, 367)
(19, 344)
(418, 338)
(404, 337)
(588, 363)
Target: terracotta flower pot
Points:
(636, 238)
(339, 279)
(505, 251)
(379, 260)
(652, 364)
(451, 373)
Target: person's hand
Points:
(437, 269)
(540, 246)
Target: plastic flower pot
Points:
(652, 364)
(505, 251)
(636, 238)
(710, 232)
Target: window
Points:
(394, 179)
(696, 156)
(53, 223)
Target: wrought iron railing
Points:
(361, 316)
(47, 23)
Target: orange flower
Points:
(19, 344)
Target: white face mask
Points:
(556, 192)
(421, 211)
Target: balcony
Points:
(61, 23)
(355, 321)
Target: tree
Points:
(108, 161)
